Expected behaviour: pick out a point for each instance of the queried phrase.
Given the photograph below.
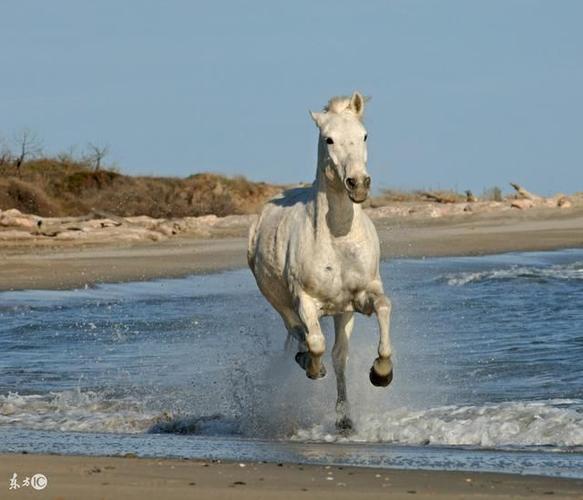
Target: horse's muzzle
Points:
(357, 188)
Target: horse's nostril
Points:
(351, 182)
(366, 182)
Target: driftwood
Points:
(522, 203)
(438, 198)
(52, 226)
(102, 214)
(64, 220)
(523, 193)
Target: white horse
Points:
(314, 252)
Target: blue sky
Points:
(465, 94)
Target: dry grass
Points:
(64, 187)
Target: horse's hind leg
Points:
(343, 324)
(296, 338)
(295, 329)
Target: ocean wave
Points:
(89, 411)
(556, 423)
(569, 272)
(75, 410)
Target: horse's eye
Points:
(365, 137)
(329, 140)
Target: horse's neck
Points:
(334, 213)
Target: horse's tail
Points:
(252, 244)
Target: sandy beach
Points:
(66, 265)
(61, 265)
(74, 477)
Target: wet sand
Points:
(66, 266)
(73, 477)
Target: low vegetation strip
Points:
(51, 187)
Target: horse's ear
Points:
(317, 117)
(357, 104)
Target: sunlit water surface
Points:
(488, 371)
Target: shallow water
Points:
(488, 370)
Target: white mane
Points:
(339, 104)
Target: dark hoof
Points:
(380, 380)
(345, 426)
(320, 374)
(303, 359)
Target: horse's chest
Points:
(339, 275)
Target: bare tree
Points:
(68, 156)
(97, 154)
(5, 154)
(28, 145)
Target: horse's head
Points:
(342, 145)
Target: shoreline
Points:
(67, 266)
(93, 477)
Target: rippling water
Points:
(488, 370)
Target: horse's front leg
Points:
(343, 324)
(311, 361)
(381, 372)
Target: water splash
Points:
(553, 423)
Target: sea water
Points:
(488, 370)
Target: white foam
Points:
(75, 411)
(560, 272)
(515, 424)
(555, 423)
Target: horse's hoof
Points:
(380, 380)
(303, 359)
(345, 426)
(320, 374)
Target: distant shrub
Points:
(26, 197)
(65, 186)
(82, 180)
(493, 193)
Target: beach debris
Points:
(104, 227)
(470, 198)
(440, 197)
(522, 204)
(15, 218)
(523, 193)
